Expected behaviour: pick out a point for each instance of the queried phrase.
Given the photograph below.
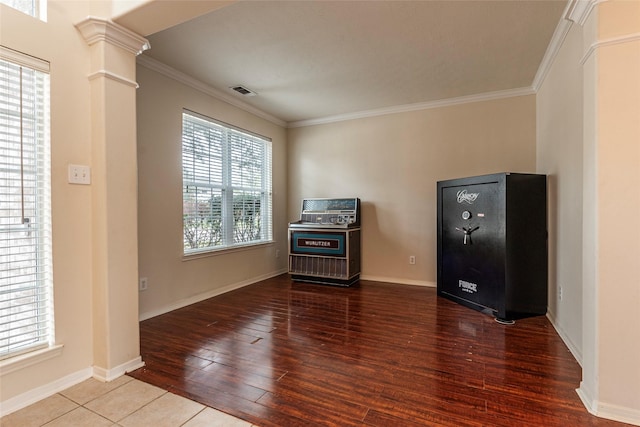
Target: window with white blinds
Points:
(226, 185)
(26, 313)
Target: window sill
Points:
(22, 361)
(224, 251)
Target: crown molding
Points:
(95, 29)
(578, 11)
(488, 96)
(172, 73)
(559, 35)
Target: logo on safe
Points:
(468, 287)
(464, 197)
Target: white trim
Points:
(487, 96)
(24, 60)
(608, 411)
(619, 413)
(585, 395)
(27, 359)
(629, 38)
(226, 250)
(95, 29)
(575, 11)
(578, 11)
(114, 77)
(43, 6)
(206, 295)
(398, 281)
(106, 375)
(179, 76)
(559, 35)
(172, 73)
(34, 395)
(575, 351)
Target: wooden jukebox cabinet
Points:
(492, 244)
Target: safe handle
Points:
(467, 233)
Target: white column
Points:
(116, 346)
(610, 385)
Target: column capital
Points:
(95, 29)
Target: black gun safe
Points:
(492, 244)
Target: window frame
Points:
(35, 200)
(38, 8)
(220, 184)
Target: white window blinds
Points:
(26, 316)
(226, 176)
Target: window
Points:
(226, 186)
(26, 314)
(35, 8)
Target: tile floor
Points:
(124, 402)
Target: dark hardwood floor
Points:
(279, 353)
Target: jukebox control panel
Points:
(329, 212)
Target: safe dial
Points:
(466, 215)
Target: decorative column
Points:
(116, 341)
(610, 385)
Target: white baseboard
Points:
(608, 411)
(206, 295)
(399, 281)
(586, 396)
(34, 395)
(106, 375)
(213, 293)
(575, 351)
(619, 413)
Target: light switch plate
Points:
(79, 174)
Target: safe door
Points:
(472, 244)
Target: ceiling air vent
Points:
(243, 91)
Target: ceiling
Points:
(309, 60)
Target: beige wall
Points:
(559, 154)
(58, 42)
(393, 162)
(172, 281)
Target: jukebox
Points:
(492, 244)
(324, 245)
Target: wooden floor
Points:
(279, 353)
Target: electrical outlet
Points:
(143, 284)
(412, 259)
(277, 253)
(79, 174)
(560, 293)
